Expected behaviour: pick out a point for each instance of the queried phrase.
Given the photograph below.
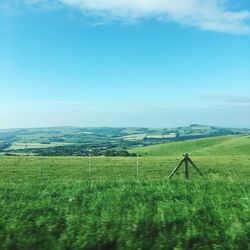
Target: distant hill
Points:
(100, 140)
(224, 146)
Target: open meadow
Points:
(104, 203)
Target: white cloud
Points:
(213, 15)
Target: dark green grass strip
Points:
(204, 214)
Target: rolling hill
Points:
(103, 140)
(224, 146)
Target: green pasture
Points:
(32, 168)
(98, 203)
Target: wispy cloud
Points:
(212, 15)
(230, 99)
(58, 102)
(87, 115)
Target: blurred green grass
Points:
(62, 208)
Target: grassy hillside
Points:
(226, 146)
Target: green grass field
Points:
(16, 146)
(214, 146)
(58, 203)
(32, 169)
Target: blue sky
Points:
(129, 63)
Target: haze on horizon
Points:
(140, 63)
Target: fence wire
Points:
(21, 169)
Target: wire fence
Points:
(26, 169)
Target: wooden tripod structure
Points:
(186, 160)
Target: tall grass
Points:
(121, 213)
